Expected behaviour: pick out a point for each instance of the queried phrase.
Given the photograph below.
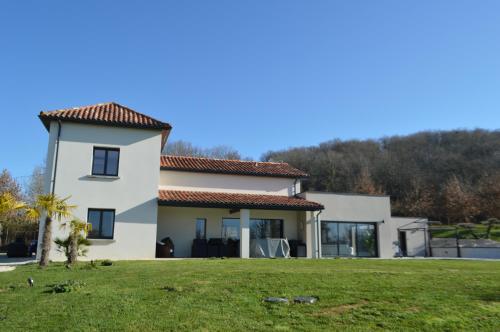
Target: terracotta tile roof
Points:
(222, 166)
(111, 114)
(234, 201)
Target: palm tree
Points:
(77, 227)
(52, 207)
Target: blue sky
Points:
(255, 75)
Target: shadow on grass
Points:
(490, 297)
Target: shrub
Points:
(65, 286)
(106, 262)
(64, 246)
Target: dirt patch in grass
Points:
(331, 311)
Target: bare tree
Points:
(183, 148)
(35, 184)
(460, 203)
(365, 185)
(489, 195)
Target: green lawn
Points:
(430, 295)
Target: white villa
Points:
(107, 157)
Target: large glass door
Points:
(230, 229)
(366, 240)
(348, 239)
(266, 228)
(329, 239)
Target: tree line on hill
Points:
(450, 176)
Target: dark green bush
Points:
(106, 262)
(65, 286)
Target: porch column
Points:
(312, 234)
(244, 233)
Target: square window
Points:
(103, 223)
(105, 161)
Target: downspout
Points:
(56, 158)
(429, 233)
(426, 245)
(318, 234)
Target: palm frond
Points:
(51, 205)
(8, 203)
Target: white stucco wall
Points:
(415, 238)
(178, 223)
(359, 208)
(192, 181)
(133, 195)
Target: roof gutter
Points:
(227, 172)
(318, 235)
(236, 206)
(59, 125)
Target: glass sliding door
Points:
(348, 239)
(266, 228)
(329, 239)
(347, 243)
(230, 229)
(366, 240)
(266, 238)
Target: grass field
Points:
(217, 295)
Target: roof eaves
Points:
(46, 119)
(228, 205)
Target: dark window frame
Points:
(375, 234)
(106, 150)
(100, 236)
(204, 228)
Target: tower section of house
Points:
(106, 158)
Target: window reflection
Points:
(348, 239)
(231, 229)
(266, 228)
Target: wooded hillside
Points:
(451, 176)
